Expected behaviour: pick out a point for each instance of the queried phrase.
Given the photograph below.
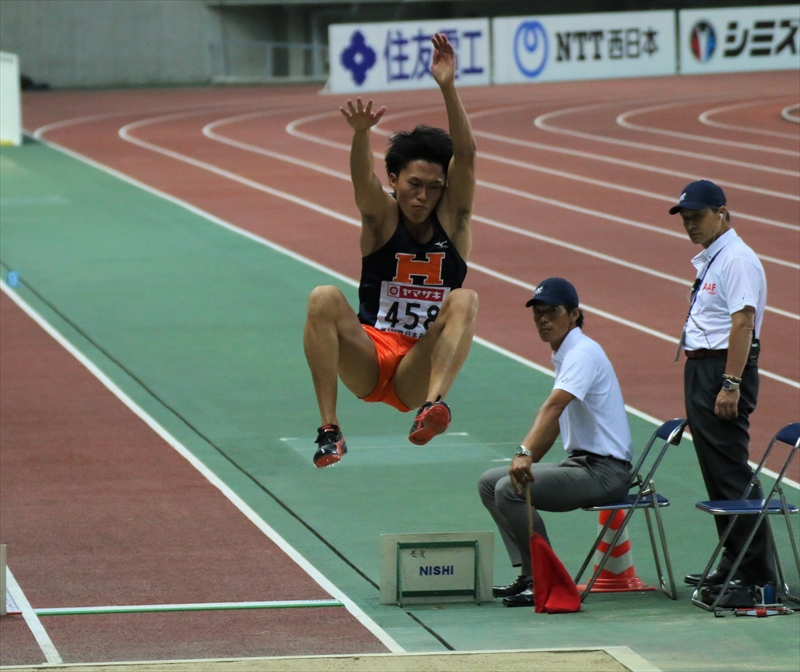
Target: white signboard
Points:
(583, 46)
(442, 570)
(739, 39)
(396, 56)
(10, 109)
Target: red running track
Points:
(98, 510)
(575, 179)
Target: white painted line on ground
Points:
(623, 120)
(630, 659)
(581, 154)
(292, 129)
(790, 113)
(705, 118)
(210, 476)
(541, 122)
(193, 606)
(343, 278)
(124, 132)
(34, 624)
(208, 131)
(633, 661)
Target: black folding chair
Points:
(762, 508)
(644, 497)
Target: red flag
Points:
(554, 591)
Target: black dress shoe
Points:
(521, 583)
(523, 599)
(738, 595)
(715, 578)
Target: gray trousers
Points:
(577, 482)
(722, 451)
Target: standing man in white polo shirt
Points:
(587, 409)
(720, 339)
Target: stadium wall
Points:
(99, 43)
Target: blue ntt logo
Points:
(12, 279)
(530, 48)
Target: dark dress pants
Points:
(588, 480)
(722, 450)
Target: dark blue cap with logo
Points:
(699, 195)
(554, 292)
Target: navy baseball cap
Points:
(554, 292)
(699, 195)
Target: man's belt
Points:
(703, 353)
(586, 453)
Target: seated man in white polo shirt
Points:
(587, 409)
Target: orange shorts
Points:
(391, 349)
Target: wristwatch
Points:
(729, 385)
(523, 451)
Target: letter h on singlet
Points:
(429, 268)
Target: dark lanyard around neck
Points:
(698, 283)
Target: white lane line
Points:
(611, 185)
(541, 122)
(209, 107)
(124, 132)
(345, 279)
(623, 120)
(705, 118)
(34, 624)
(209, 475)
(192, 606)
(292, 130)
(207, 130)
(791, 113)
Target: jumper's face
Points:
(553, 322)
(703, 226)
(419, 188)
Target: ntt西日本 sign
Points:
(397, 56)
(583, 46)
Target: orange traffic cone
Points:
(618, 575)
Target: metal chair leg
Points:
(668, 589)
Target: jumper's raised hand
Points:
(443, 67)
(359, 117)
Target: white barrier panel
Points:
(739, 39)
(10, 113)
(396, 56)
(583, 46)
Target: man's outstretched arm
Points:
(541, 437)
(371, 199)
(460, 192)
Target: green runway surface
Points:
(202, 328)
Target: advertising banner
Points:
(583, 46)
(396, 56)
(739, 39)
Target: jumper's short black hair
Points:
(424, 142)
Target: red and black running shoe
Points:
(432, 418)
(331, 446)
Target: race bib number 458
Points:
(409, 309)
